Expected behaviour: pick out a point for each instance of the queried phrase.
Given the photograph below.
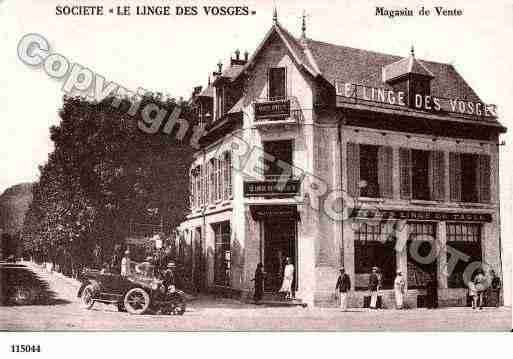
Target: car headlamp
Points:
(172, 289)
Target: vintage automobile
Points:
(136, 293)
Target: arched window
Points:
(227, 175)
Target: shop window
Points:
(375, 246)
(222, 260)
(277, 83)
(462, 239)
(420, 249)
(280, 153)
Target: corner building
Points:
(407, 141)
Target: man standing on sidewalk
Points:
(343, 286)
(373, 287)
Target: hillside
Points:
(14, 203)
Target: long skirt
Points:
(286, 285)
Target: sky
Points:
(174, 54)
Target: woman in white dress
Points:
(288, 277)
(399, 289)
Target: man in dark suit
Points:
(343, 286)
(374, 285)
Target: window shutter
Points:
(385, 171)
(455, 176)
(353, 169)
(405, 168)
(483, 175)
(437, 175)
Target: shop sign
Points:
(272, 110)
(271, 187)
(420, 215)
(420, 102)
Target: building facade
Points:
(335, 156)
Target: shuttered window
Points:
(353, 169)
(437, 175)
(385, 167)
(484, 174)
(405, 172)
(470, 176)
(455, 176)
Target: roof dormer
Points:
(410, 76)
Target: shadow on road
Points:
(20, 286)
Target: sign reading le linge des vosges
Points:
(420, 102)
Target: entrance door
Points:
(279, 243)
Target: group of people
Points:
(480, 285)
(477, 289)
(159, 266)
(287, 282)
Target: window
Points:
(374, 246)
(420, 250)
(462, 238)
(222, 260)
(422, 174)
(469, 177)
(369, 170)
(227, 175)
(220, 102)
(213, 180)
(219, 179)
(280, 151)
(277, 83)
(191, 189)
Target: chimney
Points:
(237, 60)
(196, 91)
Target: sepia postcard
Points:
(249, 166)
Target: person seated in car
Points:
(146, 267)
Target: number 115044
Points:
(25, 348)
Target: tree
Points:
(103, 173)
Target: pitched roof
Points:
(364, 67)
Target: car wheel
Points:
(21, 296)
(87, 297)
(137, 301)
